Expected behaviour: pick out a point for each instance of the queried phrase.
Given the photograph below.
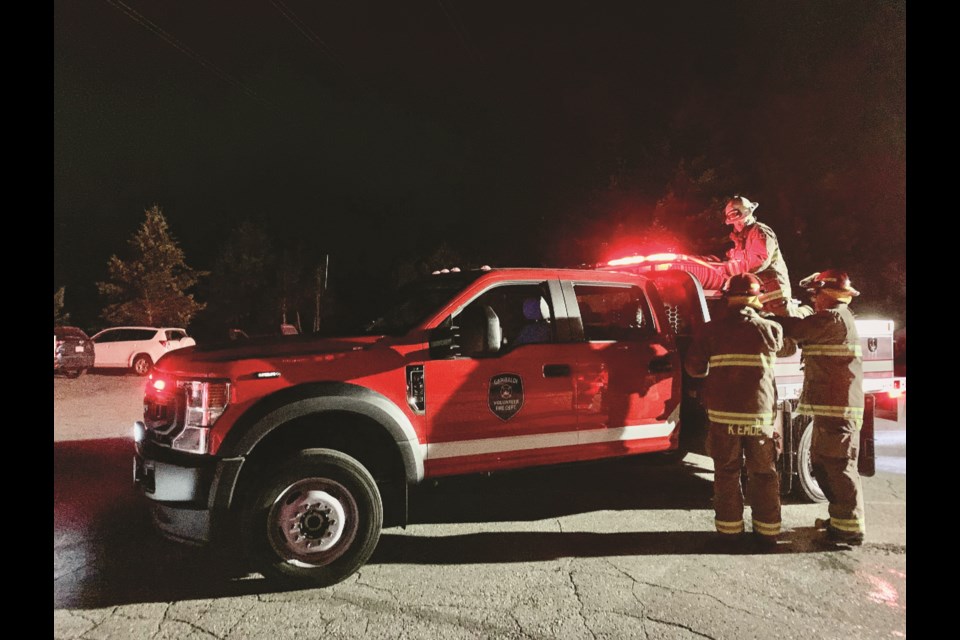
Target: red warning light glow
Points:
(655, 257)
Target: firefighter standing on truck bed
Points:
(833, 395)
(738, 352)
(756, 250)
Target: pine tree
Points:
(151, 287)
(241, 287)
(59, 317)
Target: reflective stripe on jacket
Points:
(832, 363)
(736, 353)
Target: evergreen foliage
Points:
(151, 287)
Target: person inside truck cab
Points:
(756, 250)
(536, 329)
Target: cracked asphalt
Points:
(618, 549)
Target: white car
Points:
(137, 348)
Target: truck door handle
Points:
(556, 370)
(662, 364)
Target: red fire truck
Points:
(303, 448)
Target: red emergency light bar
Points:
(654, 257)
(708, 270)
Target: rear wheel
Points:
(808, 487)
(142, 364)
(73, 373)
(315, 521)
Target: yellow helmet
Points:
(738, 209)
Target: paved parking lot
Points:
(617, 549)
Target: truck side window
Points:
(524, 312)
(613, 313)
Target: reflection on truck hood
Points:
(273, 348)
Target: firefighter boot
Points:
(764, 543)
(844, 537)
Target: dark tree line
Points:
(256, 283)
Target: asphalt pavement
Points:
(616, 549)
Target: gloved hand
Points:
(733, 267)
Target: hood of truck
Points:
(279, 353)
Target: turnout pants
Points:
(728, 446)
(833, 456)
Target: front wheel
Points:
(809, 488)
(315, 521)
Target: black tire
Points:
(73, 373)
(334, 514)
(142, 364)
(807, 487)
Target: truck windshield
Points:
(413, 303)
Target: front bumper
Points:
(190, 494)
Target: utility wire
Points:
(461, 33)
(187, 51)
(307, 33)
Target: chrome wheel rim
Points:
(805, 464)
(313, 522)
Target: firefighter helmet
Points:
(743, 284)
(738, 209)
(832, 280)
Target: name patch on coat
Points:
(506, 395)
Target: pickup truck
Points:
(301, 448)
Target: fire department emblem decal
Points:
(506, 395)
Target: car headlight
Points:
(204, 402)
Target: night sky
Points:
(519, 133)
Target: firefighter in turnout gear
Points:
(833, 395)
(736, 353)
(756, 250)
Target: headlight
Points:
(192, 440)
(204, 403)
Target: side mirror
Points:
(444, 340)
